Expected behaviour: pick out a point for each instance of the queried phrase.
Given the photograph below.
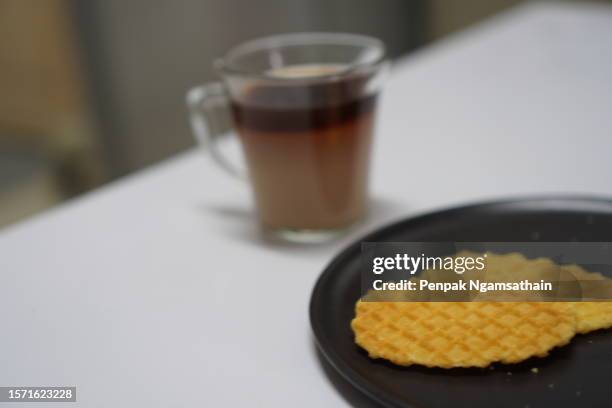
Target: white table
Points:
(155, 291)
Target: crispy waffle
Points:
(460, 334)
(476, 334)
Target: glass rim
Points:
(376, 57)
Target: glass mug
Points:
(303, 107)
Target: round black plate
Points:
(576, 375)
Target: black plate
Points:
(577, 375)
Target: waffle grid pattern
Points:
(460, 334)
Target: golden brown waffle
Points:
(592, 316)
(460, 334)
(589, 315)
(476, 334)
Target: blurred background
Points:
(93, 90)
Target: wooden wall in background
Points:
(41, 82)
(48, 147)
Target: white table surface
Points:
(155, 290)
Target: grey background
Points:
(145, 55)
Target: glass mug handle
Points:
(206, 104)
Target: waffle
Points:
(461, 334)
(592, 316)
(476, 334)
